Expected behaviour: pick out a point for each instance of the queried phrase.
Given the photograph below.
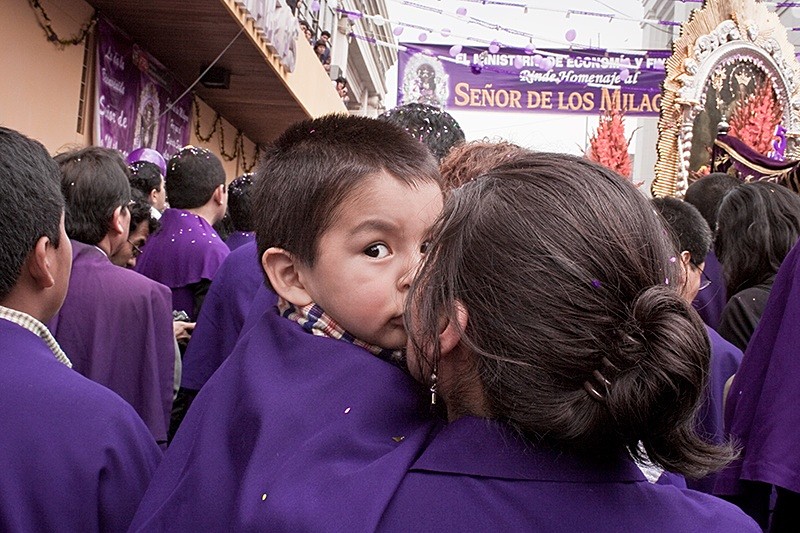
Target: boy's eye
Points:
(423, 249)
(378, 251)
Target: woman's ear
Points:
(282, 270)
(450, 336)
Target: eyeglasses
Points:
(136, 251)
(705, 281)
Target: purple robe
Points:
(223, 314)
(477, 475)
(710, 302)
(762, 412)
(725, 361)
(75, 456)
(239, 238)
(116, 328)
(283, 433)
(185, 251)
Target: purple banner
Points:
(583, 82)
(133, 98)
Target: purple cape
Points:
(184, 251)
(75, 456)
(762, 411)
(223, 314)
(116, 328)
(282, 435)
(239, 238)
(477, 475)
(710, 302)
(725, 361)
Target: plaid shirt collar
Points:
(314, 320)
(37, 328)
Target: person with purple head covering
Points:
(706, 195)
(762, 413)
(313, 403)
(693, 238)
(115, 324)
(76, 457)
(186, 252)
(239, 193)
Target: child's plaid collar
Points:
(313, 319)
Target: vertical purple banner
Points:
(135, 94)
(516, 80)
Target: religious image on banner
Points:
(425, 81)
(135, 105)
(576, 81)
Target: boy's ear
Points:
(450, 336)
(117, 224)
(282, 270)
(39, 264)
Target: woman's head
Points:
(758, 224)
(562, 270)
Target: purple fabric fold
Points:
(239, 238)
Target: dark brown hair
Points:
(313, 167)
(758, 225)
(467, 161)
(560, 264)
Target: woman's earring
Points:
(434, 384)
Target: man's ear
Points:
(153, 196)
(282, 270)
(450, 337)
(219, 194)
(39, 264)
(686, 258)
(117, 224)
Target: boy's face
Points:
(367, 258)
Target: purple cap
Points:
(149, 155)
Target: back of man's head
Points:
(193, 174)
(688, 227)
(94, 182)
(145, 177)
(435, 128)
(706, 194)
(315, 165)
(239, 194)
(30, 203)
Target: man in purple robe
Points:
(186, 252)
(75, 456)
(239, 210)
(706, 195)
(115, 324)
(762, 413)
(694, 240)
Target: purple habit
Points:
(116, 328)
(477, 475)
(725, 361)
(710, 302)
(762, 411)
(184, 251)
(75, 456)
(239, 238)
(282, 436)
(223, 314)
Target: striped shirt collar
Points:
(37, 328)
(314, 320)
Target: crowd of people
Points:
(400, 331)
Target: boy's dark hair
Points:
(193, 174)
(30, 203)
(239, 200)
(706, 194)
(758, 225)
(562, 267)
(325, 33)
(315, 165)
(141, 211)
(687, 225)
(94, 182)
(435, 128)
(145, 176)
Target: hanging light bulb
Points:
(570, 35)
(494, 47)
(398, 31)
(455, 50)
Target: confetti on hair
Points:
(666, 281)
(596, 283)
(673, 259)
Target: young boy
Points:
(312, 399)
(75, 456)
